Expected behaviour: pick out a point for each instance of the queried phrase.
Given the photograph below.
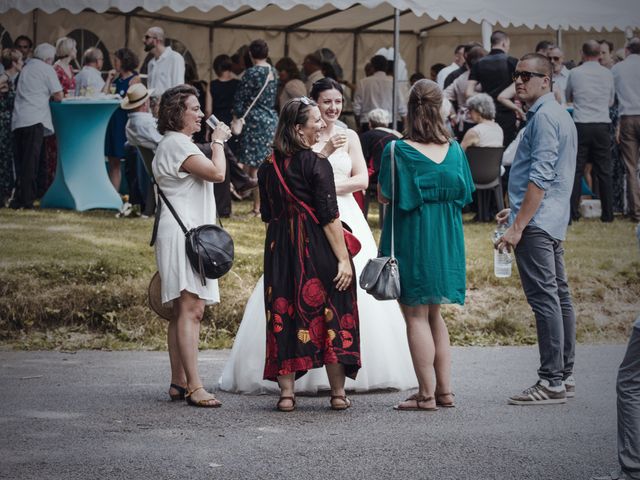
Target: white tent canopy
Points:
(429, 29)
(554, 14)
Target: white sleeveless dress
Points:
(386, 361)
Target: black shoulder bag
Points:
(380, 276)
(209, 247)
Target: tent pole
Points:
(210, 68)
(286, 43)
(354, 60)
(34, 21)
(396, 46)
(559, 37)
(486, 35)
(127, 27)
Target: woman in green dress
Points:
(432, 184)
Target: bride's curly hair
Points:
(424, 120)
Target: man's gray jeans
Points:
(540, 260)
(628, 387)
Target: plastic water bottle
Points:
(501, 259)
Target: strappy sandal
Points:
(346, 403)
(206, 403)
(445, 404)
(182, 391)
(418, 399)
(289, 408)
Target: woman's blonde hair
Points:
(294, 112)
(64, 46)
(424, 120)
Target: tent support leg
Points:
(396, 46)
(486, 35)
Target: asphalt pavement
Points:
(95, 414)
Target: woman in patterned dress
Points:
(309, 292)
(12, 63)
(260, 122)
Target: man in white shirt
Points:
(166, 68)
(458, 61)
(89, 80)
(312, 67)
(626, 75)
(560, 73)
(376, 91)
(590, 87)
(31, 120)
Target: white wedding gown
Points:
(386, 362)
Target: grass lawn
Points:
(73, 280)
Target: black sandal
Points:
(445, 404)
(182, 391)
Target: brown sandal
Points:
(290, 408)
(418, 399)
(445, 404)
(346, 403)
(206, 403)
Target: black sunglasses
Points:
(526, 76)
(555, 59)
(147, 37)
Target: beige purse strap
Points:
(266, 82)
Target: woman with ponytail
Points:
(432, 184)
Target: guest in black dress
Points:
(310, 295)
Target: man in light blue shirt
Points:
(540, 184)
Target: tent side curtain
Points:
(554, 14)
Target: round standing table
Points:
(81, 181)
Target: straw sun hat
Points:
(136, 96)
(155, 299)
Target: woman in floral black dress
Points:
(310, 295)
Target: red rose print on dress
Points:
(313, 292)
(347, 322)
(278, 325)
(281, 305)
(317, 331)
(347, 338)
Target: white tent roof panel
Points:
(542, 13)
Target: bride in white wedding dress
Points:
(386, 362)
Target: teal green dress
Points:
(429, 239)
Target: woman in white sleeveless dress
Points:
(386, 362)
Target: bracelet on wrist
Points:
(219, 142)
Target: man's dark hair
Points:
(286, 64)
(172, 108)
(459, 47)
(542, 63)
(222, 63)
(469, 46)
(23, 38)
(379, 63)
(591, 48)
(633, 46)
(609, 44)
(498, 37)
(128, 59)
(259, 49)
(313, 59)
(544, 45)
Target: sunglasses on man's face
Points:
(555, 59)
(147, 37)
(526, 76)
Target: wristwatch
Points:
(219, 142)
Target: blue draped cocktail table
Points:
(81, 181)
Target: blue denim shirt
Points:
(546, 157)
